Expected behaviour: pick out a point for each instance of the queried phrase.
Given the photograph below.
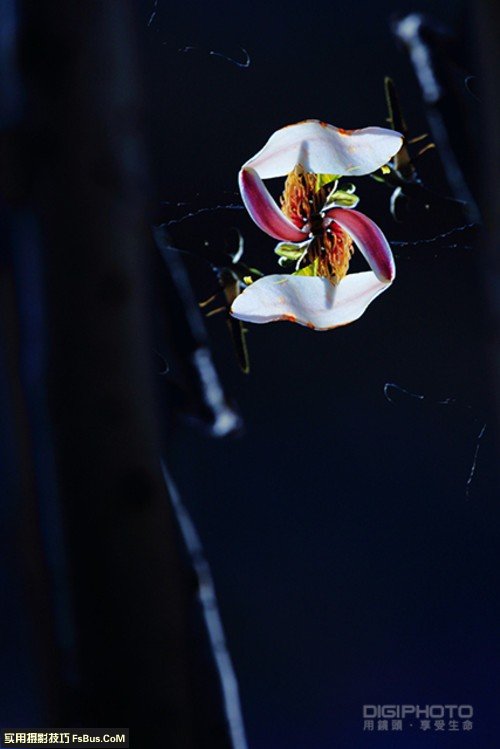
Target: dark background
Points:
(352, 528)
(350, 563)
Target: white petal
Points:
(325, 149)
(263, 209)
(310, 301)
(370, 240)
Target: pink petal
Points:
(370, 240)
(325, 149)
(264, 210)
(310, 301)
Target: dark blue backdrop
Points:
(351, 565)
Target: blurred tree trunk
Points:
(488, 52)
(133, 592)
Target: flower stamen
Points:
(331, 248)
(332, 252)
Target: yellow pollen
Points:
(331, 248)
(332, 251)
(299, 201)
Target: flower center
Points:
(302, 202)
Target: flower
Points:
(316, 225)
